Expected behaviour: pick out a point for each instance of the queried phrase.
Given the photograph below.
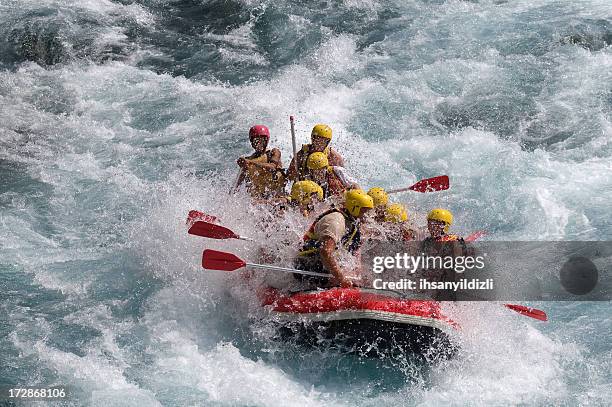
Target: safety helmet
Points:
(301, 191)
(317, 161)
(379, 196)
(322, 130)
(259, 130)
(355, 199)
(441, 215)
(396, 213)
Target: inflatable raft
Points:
(367, 321)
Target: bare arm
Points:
(335, 158)
(239, 181)
(328, 246)
(293, 170)
(346, 180)
(274, 164)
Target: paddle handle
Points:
(288, 270)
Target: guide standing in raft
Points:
(320, 138)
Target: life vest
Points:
(262, 183)
(334, 184)
(329, 185)
(351, 240)
(303, 164)
(430, 244)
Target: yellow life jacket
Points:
(437, 247)
(262, 183)
(448, 238)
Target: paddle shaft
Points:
(293, 141)
(294, 145)
(288, 270)
(394, 191)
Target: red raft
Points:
(363, 320)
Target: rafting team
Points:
(318, 176)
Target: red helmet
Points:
(259, 130)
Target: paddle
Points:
(528, 311)
(475, 236)
(439, 183)
(521, 309)
(197, 215)
(213, 231)
(216, 260)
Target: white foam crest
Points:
(241, 45)
(95, 375)
(506, 180)
(17, 235)
(228, 378)
(371, 6)
(103, 9)
(173, 254)
(193, 362)
(338, 55)
(504, 360)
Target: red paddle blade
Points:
(440, 183)
(475, 236)
(197, 215)
(528, 311)
(216, 260)
(211, 230)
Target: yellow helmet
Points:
(322, 130)
(355, 199)
(379, 196)
(441, 215)
(317, 161)
(301, 191)
(396, 213)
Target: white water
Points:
(102, 159)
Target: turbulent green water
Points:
(117, 117)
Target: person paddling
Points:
(262, 171)
(305, 195)
(438, 223)
(333, 230)
(320, 137)
(442, 244)
(333, 179)
(397, 227)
